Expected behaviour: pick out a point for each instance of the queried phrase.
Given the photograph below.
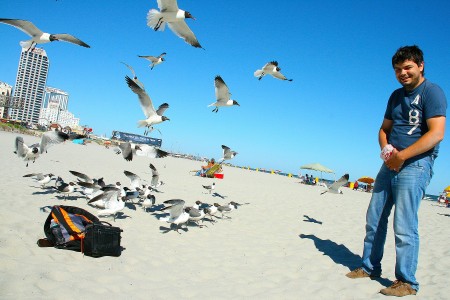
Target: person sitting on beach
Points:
(355, 185)
(205, 169)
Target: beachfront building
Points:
(30, 83)
(54, 109)
(5, 95)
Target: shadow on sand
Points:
(341, 255)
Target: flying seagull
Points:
(270, 68)
(39, 37)
(227, 154)
(155, 178)
(155, 60)
(175, 18)
(151, 151)
(31, 153)
(335, 187)
(128, 150)
(153, 116)
(222, 95)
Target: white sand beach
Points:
(289, 242)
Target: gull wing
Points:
(226, 152)
(39, 176)
(144, 98)
(51, 138)
(182, 30)
(340, 182)
(26, 26)
(21, 148)
(71, 39)
(155, 176)
(151, 151)
(162, 108)
(269, 67)
(222, 92)
(153, 59)
(167, 5)
(176, 207)
(83, 177)
(106, 196)
(135, 181)
(126, 151)
(279, 76)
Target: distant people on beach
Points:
(413, 125)
(355, 186)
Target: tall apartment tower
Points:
(30, 84)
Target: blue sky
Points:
(338, 53)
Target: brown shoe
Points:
(359, 273)
(399, 289)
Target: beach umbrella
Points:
(317, 167)
(366, 179)
(447, 189)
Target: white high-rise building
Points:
(5, 94)
(30, 83)
(54, 109)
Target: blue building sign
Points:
(135, 138)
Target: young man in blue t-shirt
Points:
(413, 126)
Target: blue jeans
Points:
(405, 190)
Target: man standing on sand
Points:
(414, 124)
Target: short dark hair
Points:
(408, 53)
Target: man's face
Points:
(409, 74)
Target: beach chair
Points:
(214, 169)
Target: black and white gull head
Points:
(271, 68)
(175, 18)
(222, 95)
(39, 37)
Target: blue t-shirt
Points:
(409, 111)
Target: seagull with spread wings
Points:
(177, 213)
(271, 68)
(153, 116)
(335, 187)
(175, 18)
(155, 60)
(222, 95)
(39, 37)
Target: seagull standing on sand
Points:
(222, 95)
(148, 202)
(41, 178)
(153, 116)
(223, 209)
(175, 18)
(335, 187)
(155, 60)
(65, 188)
(210, 187)
(270, 68)
(177, 213)
(196, 215)
(39, 37)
